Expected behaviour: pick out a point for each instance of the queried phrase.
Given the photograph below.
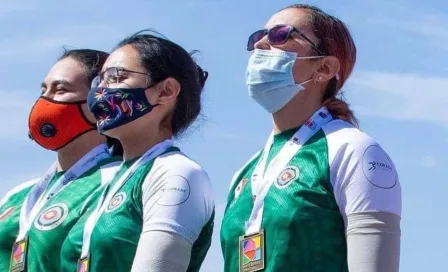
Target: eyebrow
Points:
(113, 66)
(56, 82)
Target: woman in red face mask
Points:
(36, 216)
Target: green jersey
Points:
(58, 216)
(327, 179)
(161, 195)
(9, 220)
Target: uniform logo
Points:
(52, 217)
(239, 188)
(378, 168)
(6, 213)
(116, 202)
(289, 174)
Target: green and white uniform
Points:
(337, 172)
(10, 207)
(161, 191)
(52, 207)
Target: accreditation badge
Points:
(19, 256)
(84, 264)
(252, 252)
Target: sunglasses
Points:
(278, 35)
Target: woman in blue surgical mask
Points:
(321, 195)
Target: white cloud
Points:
(423, 22)
(401, 96)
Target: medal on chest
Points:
(252, 252)
(19, 255)
(83, 264)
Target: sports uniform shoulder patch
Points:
(115, 202)
(378, 168)
(174, 192)
(51, 217)
(7, 213)
(289, 174)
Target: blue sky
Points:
(398, 90)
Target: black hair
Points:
(93, 61)
(163, 58)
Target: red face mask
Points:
(54, 124)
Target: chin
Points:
(119, 131)
(114, 132)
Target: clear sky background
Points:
(398, 90)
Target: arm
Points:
(160, 251)
(369, 196)
(176, 206)
(373, 242)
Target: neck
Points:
(139, 142)
(74, 151)
(295, 113)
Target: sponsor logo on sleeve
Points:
(378, 168)
(174, 192)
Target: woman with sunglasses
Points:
(321, 195)
(36, 216)
(157, 213)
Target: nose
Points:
(263, 44)
(102, 84)
(48, 93)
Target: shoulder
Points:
(346, 142)
(363, 175)
(178, 164)
(177, 196)
(17, 189)
(176, 171)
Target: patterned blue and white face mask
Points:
(114, 107)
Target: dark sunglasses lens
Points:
(279, 34)
(254, 38)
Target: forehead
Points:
(67, 69)
(126, 56)
(293, 17)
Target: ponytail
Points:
(339, 109)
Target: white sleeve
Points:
(364, 179)
(177, 197)
(367, 190)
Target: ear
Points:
(168, 91)
(328, 68)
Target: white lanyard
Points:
(106, 197)
(262, 180)
(40, 194)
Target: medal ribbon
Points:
(262, 179)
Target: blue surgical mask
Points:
(114, 107)
(270, 79)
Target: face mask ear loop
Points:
(311, 57)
